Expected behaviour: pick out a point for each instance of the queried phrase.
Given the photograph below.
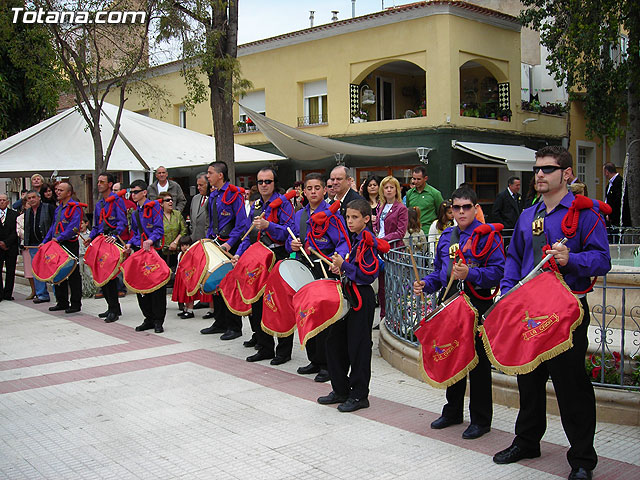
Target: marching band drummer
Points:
(110, 220)
(64, 230)
(349, 339)
(481, 270)
(227, 218)
(327, 239)
(147, 227)
(585, 254)
(269, 227)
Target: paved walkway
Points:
(82, 399)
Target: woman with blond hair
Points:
(391, 222)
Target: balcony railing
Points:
(313, 120)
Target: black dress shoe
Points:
(158, 329)
(353, 404)
(322, 376)
(9, 299)
(40, 300)
(513, 454)
(308, 369)
(230, 335)
(200, 305)
(104, 314)
(278, 360)
(475, 431)
(580, 474)
(72, 310)
(212, 329)
(444, 422)
(144, 326)
(186, 315)
(333, 397)
(208, 315)
(252, 342)
(111, 317)
(260, 355)
(57, 308)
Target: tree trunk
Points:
(222, 112)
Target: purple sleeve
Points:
(492, 269)
(515, 255)
(135, 229)
(121, 216)
(278, 231)
(158, 224)
(240, 221)
(354, 273)
(97, 226)
(594, 259)
(244, 244)
(71, 225)
(296, 231)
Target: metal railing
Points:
(614, 327)
(313, 120)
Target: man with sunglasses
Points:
(480, 268)
(269, 227)
(586, 253)
(227, 220)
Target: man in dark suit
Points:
(508, 204)
(8, 247)
(198, 210)
(613, 196)
(341, 177)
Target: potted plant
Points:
(251, 127)
(241, 126)
(422, 111)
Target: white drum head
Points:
(295, 273)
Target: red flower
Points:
(595, 373)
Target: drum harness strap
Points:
(569, 227)
(228, 197)
(148, 211)
(320, 222)
(274, 213)
(69, 211)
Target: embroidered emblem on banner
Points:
(303, 314)
(443, 351)
(537, 226)
(103, 258)
(254, 274)
(453, 249)
(189, 273)
(269, 300)
(50, 257)
(148, 268)
(537, 325)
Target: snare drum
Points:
(218, 265)
(317, 306)
(103, 259)
(287, 277)
(53, 263)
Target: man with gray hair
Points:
(163, 184)
(198, 211)
(340, 176)
(38, 218)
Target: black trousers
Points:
(73, 283)
(224, 317)
(576, 401)
(8, 258)
(110, 292)
(349, 348)
(266, 341)
(154, 306)
(480, 394)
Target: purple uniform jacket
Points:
(589, 248)
(484, 272)
(152, 227)
(352, 269)
(332, 239)
(115, 214)
(65, 228)
(233, 214)
(275, 232)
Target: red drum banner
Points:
(531, 323)
(145, 272)
(231, 294)
(53, 263)
(252, 271)
(193, 268)
(318, 305)
(447, 343)
(103, 259)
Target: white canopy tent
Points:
(516, 158)
(63, 143)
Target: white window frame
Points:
(316, 89)
(182, 117)
(589, 165)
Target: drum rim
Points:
(72, 258)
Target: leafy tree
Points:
(29, 84)
(207, 32)
(583, 37)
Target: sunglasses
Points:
(466, 207)
(266, 182)
(133, 192)
(547, 169)
(168, 199)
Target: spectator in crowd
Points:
(26, 266)
(9, 243)
(390, 225)
(532, 195)
(578, 188)
(38, 217)
(444, 220)
(47, 195)
(613, 197)
(508, 205)
(89, 288)
(174, 228)
(342, 179)
(300, 201)
(37, 182)
(405, 189)
(163, 184)
(425, 197)
(371, 191)
(415, 237)
(331, 191)
(198, 211)
(21, 203)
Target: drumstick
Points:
(415, 270)
(320, 256)
(251, 227)
(302, 249)
(533, 272)
(223, 250)
(450, 283)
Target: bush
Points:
(611, 365)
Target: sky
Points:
(258, 19)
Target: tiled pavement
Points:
(81, 399)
